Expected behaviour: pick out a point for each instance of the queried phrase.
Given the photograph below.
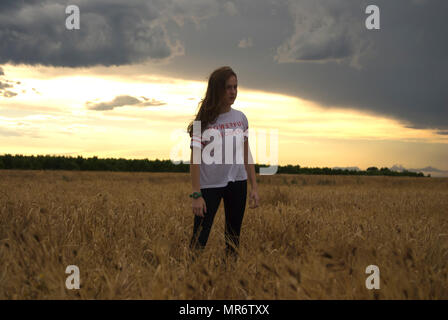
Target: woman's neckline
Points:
(224, 113)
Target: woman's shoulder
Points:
(239, 113)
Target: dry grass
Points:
(311, 238)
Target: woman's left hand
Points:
(254, 199)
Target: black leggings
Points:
(234, 194)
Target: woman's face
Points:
(231, 90)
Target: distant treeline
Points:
(48, 162)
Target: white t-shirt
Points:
(231, 125)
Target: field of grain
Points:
(311, 238)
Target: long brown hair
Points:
(211, 105)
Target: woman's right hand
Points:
(199, 206)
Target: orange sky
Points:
(54, 119)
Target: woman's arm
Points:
(250, 167)
(254, 199)
(195, 174)
(198, 205)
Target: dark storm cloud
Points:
(324, 31)
(317, 50)
(321, 51)
(112, 32)
(400, 70)
(121, 101)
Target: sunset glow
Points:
(51, 116)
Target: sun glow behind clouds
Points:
(55, 116)
(300, 118)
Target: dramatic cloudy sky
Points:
(129, 80)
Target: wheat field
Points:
(311, 238)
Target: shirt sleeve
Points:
(246, 127)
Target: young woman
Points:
(216, 181)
